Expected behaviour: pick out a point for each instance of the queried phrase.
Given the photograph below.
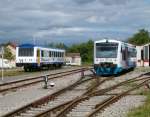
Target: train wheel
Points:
(25, 69)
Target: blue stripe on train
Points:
(108, 71)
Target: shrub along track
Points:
(10, 86)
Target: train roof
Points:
(112, 40)
(107, 40)
(32, 46)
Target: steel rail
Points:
(44, 99)
(39, 79)
(62, 106)
(82, 98)
(22, 80)
(114, 99)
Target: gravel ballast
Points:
(20, 98)
(122, 106)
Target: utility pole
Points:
(2, 52)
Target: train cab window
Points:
(26, 52)
(106, 50)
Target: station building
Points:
(73, 59)
(143, 55)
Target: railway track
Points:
(83, 105)
(54, 101)
(30, 81)
(104, 104)
(61, 104)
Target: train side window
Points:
(54, 54)
(42, 53)
(49, 53)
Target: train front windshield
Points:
(106, 50)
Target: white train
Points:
(34, 57)
(111, 57)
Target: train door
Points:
(126, 56)
(38, 57)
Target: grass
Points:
(12, 72)
(142, 111)
(87, 63)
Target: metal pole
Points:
(2, 63)
(45, 81)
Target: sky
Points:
(71, 21)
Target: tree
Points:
(58, 45)
(140, 38)
(7, 54)
(85, 50)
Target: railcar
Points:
(111, 57)
(33, 57)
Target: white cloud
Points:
(70, 18)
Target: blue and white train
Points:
(35, 57)
(112, 57)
